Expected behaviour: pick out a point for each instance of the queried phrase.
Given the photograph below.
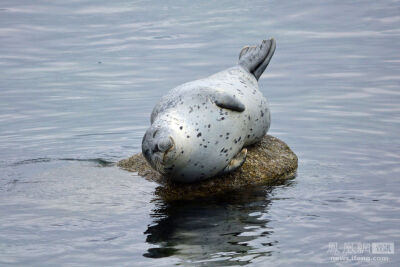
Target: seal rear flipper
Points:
(256, 59)
(236, 162)
(225, 100)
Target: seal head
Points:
(158, 147)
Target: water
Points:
(78, 81)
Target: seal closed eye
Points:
(201, 128)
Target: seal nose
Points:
(156, 140)
(163, 144)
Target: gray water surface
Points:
(78, 80)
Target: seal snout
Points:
(163, 144)
(156, 144)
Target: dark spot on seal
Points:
(205, 146)
(204, 140)
(262, 113)
(226, 150)
(182, 152)
(199, 134)
(216, 142)
(240, 138)
(222, 118)
(188, 136)
(227, 133)
(181, 127)
(195, 164)
(251, 129)
(230, 148)
(249, 117)
(209, 125)
(222, 150)
(227, 138)
(226, 160)
(248, 136)
(220, 135)
(234, 140)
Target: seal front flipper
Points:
(225, 100)
(256, 59)
(236, 162)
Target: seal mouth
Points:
(162, 160)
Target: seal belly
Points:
(238, 81)
(210, 135)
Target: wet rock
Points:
(269, 162)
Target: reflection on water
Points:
(217, 231)
(78, 80)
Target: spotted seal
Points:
(201, 128)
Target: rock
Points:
(269, 162)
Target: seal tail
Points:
(255, 59)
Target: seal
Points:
(201, 128)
